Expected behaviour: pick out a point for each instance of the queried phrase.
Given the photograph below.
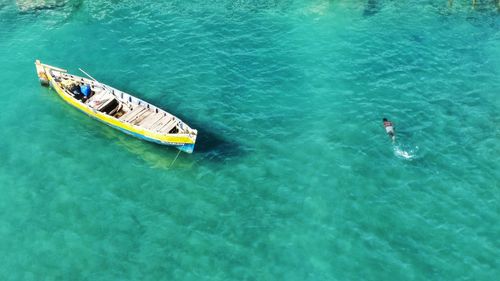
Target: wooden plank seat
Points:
(169, 126)
(152, 124)
(162, 122)
(142, 116)
(133, 113)
(127, 113)
(152, 118)
(132, 119)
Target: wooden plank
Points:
(142, 116)
(133, 113)
(155, 123)
(150, 120)
(164, 120)
(137, 115)
(125, 114)
(167, 127)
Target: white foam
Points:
(404, 152)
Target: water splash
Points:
(405, 151)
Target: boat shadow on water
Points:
(209, 143)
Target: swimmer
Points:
(389, 128)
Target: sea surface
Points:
(293, 176)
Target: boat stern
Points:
(189, 147)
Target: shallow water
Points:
(293, 176)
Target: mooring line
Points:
(174, 159)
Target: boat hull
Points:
(189, 148)
(184, 143)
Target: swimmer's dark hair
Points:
(385, 119)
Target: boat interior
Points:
(119, 105)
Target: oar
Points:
(87, 74)
(104, 85)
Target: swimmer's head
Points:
(385, 119)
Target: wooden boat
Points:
(118, 109)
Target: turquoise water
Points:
(293, 176)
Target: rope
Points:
(174, 159)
